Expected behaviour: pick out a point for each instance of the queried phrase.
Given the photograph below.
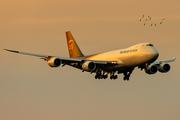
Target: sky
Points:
(32, 90)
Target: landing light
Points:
(114, 62)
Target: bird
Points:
(151, 24)
(160, 22)
(146, 19)
(140, 20)
(143, 16)
(163, 19)
(154, 24)
(144, 24)
(150, 18)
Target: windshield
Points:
(149, 45)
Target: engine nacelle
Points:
(164, 67)
(88, 66)
(151, 69)
(54, 62)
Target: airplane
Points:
(111, 63)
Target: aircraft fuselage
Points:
(140, 54)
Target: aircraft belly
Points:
(114, 67)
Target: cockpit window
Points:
(149, 45)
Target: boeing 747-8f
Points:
(111, 63)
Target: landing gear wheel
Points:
(127, 74)
(126, 78)
(115, 77)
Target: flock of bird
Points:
(148, 19)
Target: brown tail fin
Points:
(74, 50)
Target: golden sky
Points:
(31, 90)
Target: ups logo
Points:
(70, 46)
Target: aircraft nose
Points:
(155, 54)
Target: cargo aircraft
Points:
(111, 63)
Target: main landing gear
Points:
(99, 75)
(102, 75)
(127, 75)
(113, 77)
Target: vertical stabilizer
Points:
(73, 48)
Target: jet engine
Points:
(88, 66)
(164, 67)
(151, 69)
(54, 62)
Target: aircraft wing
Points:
(165, 61)
(64, 59)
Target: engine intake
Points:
(164, 67)
(151, 69)
(88, 66)
(54, 62)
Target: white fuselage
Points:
(136, 55)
